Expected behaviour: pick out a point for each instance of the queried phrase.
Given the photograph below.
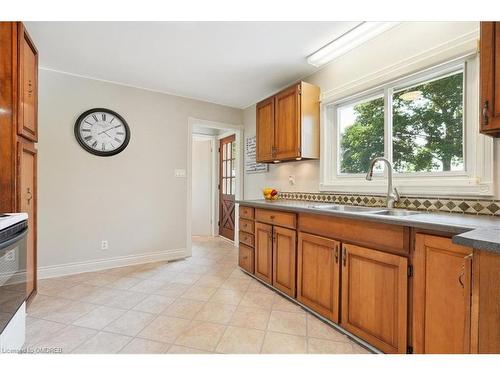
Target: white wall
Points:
(361, 69)
(201, 216)
(132, 199)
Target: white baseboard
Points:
(102, 264)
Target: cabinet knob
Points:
(272, 217)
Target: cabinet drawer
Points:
(246, 260)
(283, 219)
(247, 239)
(246, 226)
(247, 212)
(390, 238)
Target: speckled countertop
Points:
(479, 232)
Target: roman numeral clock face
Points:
(102, 132)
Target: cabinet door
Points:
(490, 78)
(318, 275)
(264, 252)
(287, 123)
(26, 202)
(27, 125)
(245, 258)
(284, 260)
(442, 296)
(265, 130)
(374, 297)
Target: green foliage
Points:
(427, 131)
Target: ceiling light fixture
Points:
(346, 42)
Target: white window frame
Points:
(475, 180)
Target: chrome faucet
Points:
(392, 193)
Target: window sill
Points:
(433, 186)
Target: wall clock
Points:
(102, 132)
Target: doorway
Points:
(213, 207)
(227, 186)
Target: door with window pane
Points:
(227, 186)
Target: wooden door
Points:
(27, 202)
(27, 125)
(318, 275)
(490, 78)
(442, 296)
(287, 124)
(265, 130)
(284, 259)
(227, 186)
(264, 252)
(374, 297)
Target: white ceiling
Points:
(231, 63)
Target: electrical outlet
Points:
(180, 173)
(104, 245)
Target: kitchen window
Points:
(426, 124)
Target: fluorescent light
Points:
(350, 40)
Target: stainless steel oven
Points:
(13, 251)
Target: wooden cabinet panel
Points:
(264, 252)
(490, 78)
(284, 259)
(246, 212)
(246, 258)
(265, 130)
(374, 297)
(442, 296)
(247, 239)
(246, 226)
(283, 219)
(391, 238)
(27, 125)
(318, 275)
(27, 202)
(287, 123)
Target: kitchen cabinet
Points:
(442, 296)
(19, 132)
(246, 258)
(287, 124)
(318, 274)
(284, 259)
(490, 78)
(264, 252)
(26, 196)
(265, 130)
(27, 125)
(375, 297)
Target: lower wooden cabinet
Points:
(264, 252)
(26, 202)
(284, 259)
(318, 274)
(441, 296)
(246, 258)
(375, 297)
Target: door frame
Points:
(238, 130)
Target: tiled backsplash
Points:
(454, 205)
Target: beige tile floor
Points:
(203, 304)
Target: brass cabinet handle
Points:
(485, 113)
(336, 253)
(272, 217)
(344, 256)
(461, 277)
(29, 196)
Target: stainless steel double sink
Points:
(363, 210)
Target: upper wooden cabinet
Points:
(287, 124)
(27, 125)
(441, 296)
(490, 78)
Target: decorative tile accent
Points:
(489, 207)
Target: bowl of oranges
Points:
(270, 194)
